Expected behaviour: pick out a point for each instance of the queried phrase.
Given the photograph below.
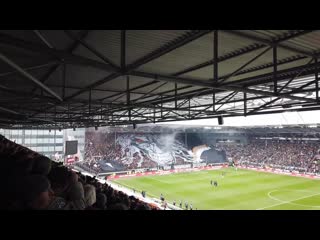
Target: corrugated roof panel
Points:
(150, 88)
(55, 78)
(12, 82)
(23, 57)
(78, 76)
(308, 42)
(294, 64)
(26, 35)
(118, 99)
(96, 95)
(269, 35)
(83, 96)
(58, 90)
(57, 38)
(137, 97)
(4, 68)
(268, 57)
(167, 87)
(189, 89)
(106, 42)
(21, 83)
(141, 42)
(270, 69)
(163, 88)
(120, 83)
(202, 73)
(229, 42)
(194, 53)
(84, 52)
(231, 65)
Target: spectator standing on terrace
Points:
(89, 195)
(101, 201)
(33, 192)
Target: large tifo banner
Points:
(119, 151)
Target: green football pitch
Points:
(237, 190)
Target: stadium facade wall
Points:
(167, 172)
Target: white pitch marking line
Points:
(284, 202)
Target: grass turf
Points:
(237, 190)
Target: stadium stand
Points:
(35, 182)
(105, 152)
(294, 156)
(130, 153)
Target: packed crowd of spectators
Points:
(299, 156)
(33, 181)
(290, 155)
(91, 166)
(106, 146)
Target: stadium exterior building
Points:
(46, 142)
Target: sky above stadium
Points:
(287, 118)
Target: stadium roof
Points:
(307, 118)
(82, 78)
(297, 131)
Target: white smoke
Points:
(167, 142)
